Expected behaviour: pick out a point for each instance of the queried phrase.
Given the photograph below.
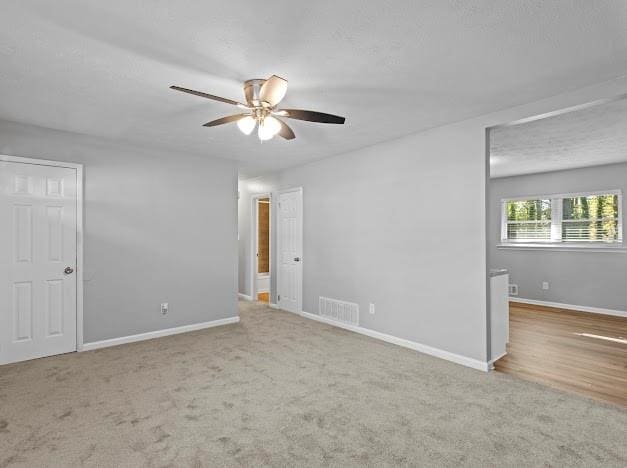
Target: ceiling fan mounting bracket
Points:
(252, 89)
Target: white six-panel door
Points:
(37, 244)
(290, 247)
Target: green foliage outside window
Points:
(529, 210)
(529, 219)
(591, 218)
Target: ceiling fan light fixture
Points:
(268, 128)
(246, 124)
(262, 99)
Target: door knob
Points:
(297, 259)
(68, 270)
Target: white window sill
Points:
(564, 247)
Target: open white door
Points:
(290, 247)
(38, 259)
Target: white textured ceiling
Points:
(592, 136)
(391, 67)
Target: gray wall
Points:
(366, 237)
(595, 279)
(159, 227)
(375, 232)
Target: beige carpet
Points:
(280, 390)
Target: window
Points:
(590, 218)
(569, 218)
(529, 219)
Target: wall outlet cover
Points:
(371, 309)
(513, 290)
(164, 308)
(545, 285)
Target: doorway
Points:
(40, 258)
(261, 235)
(555, 246)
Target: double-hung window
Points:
(574, 218)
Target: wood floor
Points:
(577, 352)
(263, 297)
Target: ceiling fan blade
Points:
(273, 90)
(223, 120)
(208, 96)
(311, 116)
(286, 132)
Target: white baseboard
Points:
(157, 334)
(278, 307)
(492, 361)
(559, 305)
(456, 358)
(244, 297)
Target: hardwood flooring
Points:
(577, 352)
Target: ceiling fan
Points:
(262, 98)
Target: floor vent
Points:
(339, 311)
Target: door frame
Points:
(254, 217)
(299, 299)
(79, 231)
(564, 106)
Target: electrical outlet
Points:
(371, 310)
(513, 290)
(545, 285)
(164, 308)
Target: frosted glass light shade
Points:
(268, 128)
(246, 124)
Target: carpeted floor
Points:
(280, 390)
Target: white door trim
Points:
(254, 218)
(79, 232)
(299, 301)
